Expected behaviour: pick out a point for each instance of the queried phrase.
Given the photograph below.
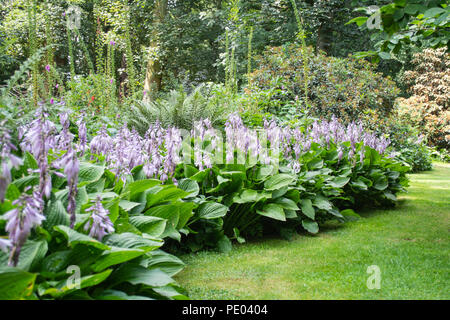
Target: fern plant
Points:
(180, 109)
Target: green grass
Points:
(409, 243)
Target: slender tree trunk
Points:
(153, 76)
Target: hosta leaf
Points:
(190, 186)
(290, 214)
(278, 181)
(74, 238)
(273, 211)
(132, 241)
(90, 172)
(96, 186)
(249, 195)
(322, 202)
(27, 181)
(15, 283)
(287, 203)
(310, 226)
(264, 172)
(315, 164)
(381, 183)
(339, 182)
(56, 214)
(115, 256)
(56, 261)
(279, 192)
(390, 196)
(170, 291)
(153, 226)
(128, 205)
(31, 255)
(136, 187)
(307, 208)
(65, 287)
(136, 274)
(167, 194)
(163, 261)
(212, 210)
(199, 176)
(359, 184)
(29, 161)
(113, 207)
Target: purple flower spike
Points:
(82, 136)
(47, 67)
(21, 220)
(99, 224)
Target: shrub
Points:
(347, 88)
(181, 110)
(427, 108)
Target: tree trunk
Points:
(153, 76)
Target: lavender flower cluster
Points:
(99, 223)
(158, 151)
(7, 159)
(25, 216)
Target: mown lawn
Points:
(410, 244)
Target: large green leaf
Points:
(15, 283)
(164, 261)
(310, 226)
(137, 187)
(167, 194)
(190, 186)
(128, 205)
(64, 287)
(339, 182)
(381, 183)
(73, 237)
(278, 181)
(90, 172)
(250, 195)
(273, 211)
(212, 210)
(287, 204)
(177, 214)
(322, 202)
(153, 226)
(31, 255)
(132, 241)
(56, 214)
(115, 256)
(307, 208)
(136, 275)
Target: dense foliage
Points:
(347, 88)
(131, 131)
(428, 107)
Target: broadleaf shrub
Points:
(428, 107)
(348, 88)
